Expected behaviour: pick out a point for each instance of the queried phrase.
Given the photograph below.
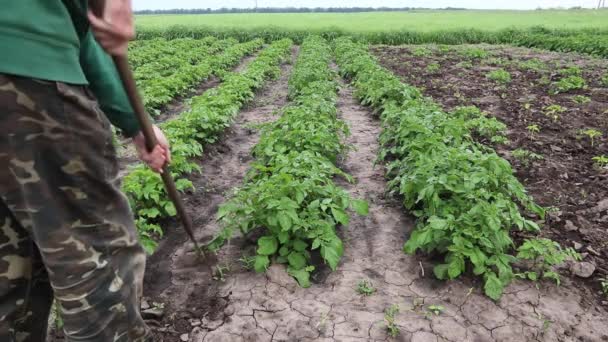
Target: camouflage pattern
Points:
(65, 228)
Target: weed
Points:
(500, 76)
(465, 65)
(591, 133)
(554, 111)
(604, 80)
(601, 161)
(366, 288)
(533, 129)
(433, 68)
(434, 310)
(580, 99)
(526, 156)
(422, 52)
(220, 271)
(544, 254)
(497, 61)
(604, 285)
(571, 71)
(533, 64)
(444, 48)
(247, 261)
(389, 317)
(543, 81)
(474, 53)
(567, 84)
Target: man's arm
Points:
(105, 83)
(113, 32)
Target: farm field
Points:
(381, 21)
(348, 191)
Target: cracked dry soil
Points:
(244, 306)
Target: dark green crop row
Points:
(594, 42)
(465, 196)
(146, 51)
(289, 193)
(175, 74)
(210, 114)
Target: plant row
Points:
(466, 197)
(289, 194)
(142, 52)
(210, 114)
(591, 41)
(162, 80)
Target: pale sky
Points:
(475, 4)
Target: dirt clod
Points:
(582, 269)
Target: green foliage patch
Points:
(465, 196)
(289, 193)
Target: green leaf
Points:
(455, 267)
(283, 237)
(299, 245)
(261, 263)
(331, 252)
(316, 243)
(284, 221)
(441, 271)
(493, 287)
(170, 209)
(340, 216)
(296, 260)
(360, 207)
(283, 251)
(552, 275)
(301, 275)
(267, 245)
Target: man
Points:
(66, 231)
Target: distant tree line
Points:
(285, 10)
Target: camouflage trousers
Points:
(66, 230)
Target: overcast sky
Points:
(478, 4)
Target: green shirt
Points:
(51, 40)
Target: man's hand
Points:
(161, 154)
(115, 29)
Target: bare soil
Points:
(566, 178)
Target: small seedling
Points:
(580, 99)
(433, 68)
(591, 134)
(500, 76)
(601, 161)
(533, 129)
(366, 288)
(526, 156)
(604, 285)
(220, 273)
(434, 310)
(554, 111)
(389, 317)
